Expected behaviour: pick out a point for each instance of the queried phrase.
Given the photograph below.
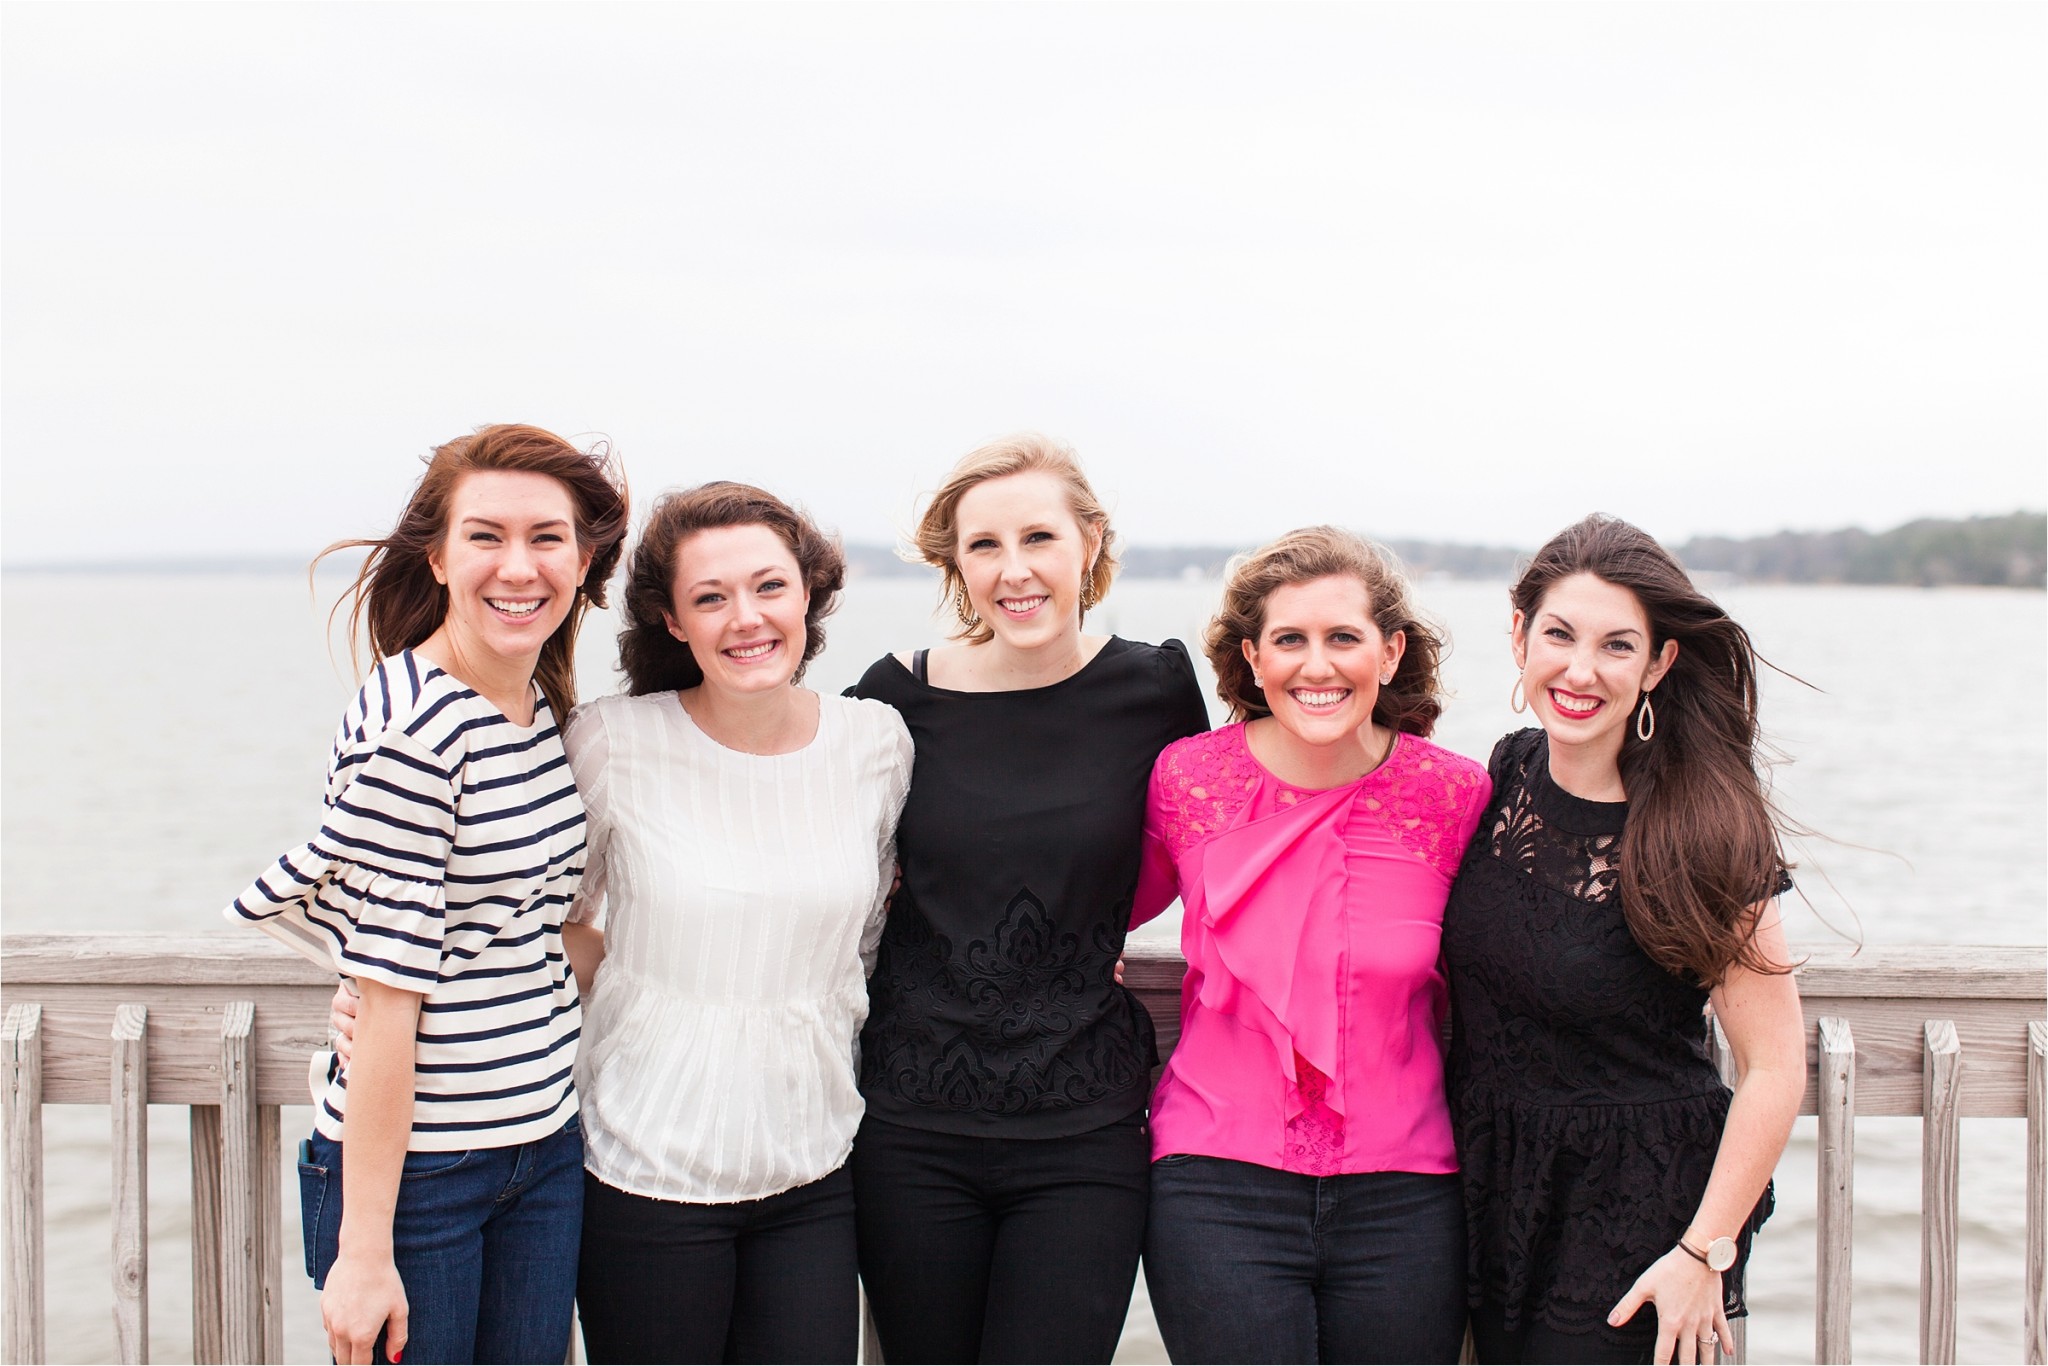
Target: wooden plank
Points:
(129, 1095)
(1906, 971)
(241, 1286)
(269, 1224)
(1835, 1202)
(227, 958)
(23, 1340)
(2035, 1316)
(1940, 1150)
(206, 1178)
(1891, 1039)
(184, 1040)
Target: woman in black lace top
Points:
(1624, 875)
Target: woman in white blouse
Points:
(741, 846)
(742, 843)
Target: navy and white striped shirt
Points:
(451, 848)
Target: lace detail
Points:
(1315, 1137)
(1587, 1108)
(1419, 793)
(1027, 988)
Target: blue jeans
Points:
(1248, 1263)
(484, 1240)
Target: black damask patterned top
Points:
(994, 1006)
(1584, 1098)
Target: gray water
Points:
(165, 736)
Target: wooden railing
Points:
(224, 1023)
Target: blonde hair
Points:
(1411, 702)
(937, 538)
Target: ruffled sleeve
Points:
(369, 885)
(589, 745)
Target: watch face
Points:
(1721, 1254)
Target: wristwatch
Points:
(1719, 1256)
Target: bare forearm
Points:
(1760, 1119)
(379, 1123)
(585, 946)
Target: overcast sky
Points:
(1451, 271)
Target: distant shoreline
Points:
(2008, 551)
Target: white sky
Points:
(1453, 271)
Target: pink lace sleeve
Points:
(1433, 803)
(1199, 784)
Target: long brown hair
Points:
(938, 530)
(651, 658)
(1703, 837)
(1410, 703)
(396, 589)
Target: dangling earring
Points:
(1088, 596)
(963, 607)
(1516, 701)
(1646, 720)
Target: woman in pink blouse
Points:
(1305, 1202)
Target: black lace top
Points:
(994, 1007)
(1586, 1105)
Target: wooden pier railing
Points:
(223, 1023)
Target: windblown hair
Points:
(1411, 702)
(1703, 837)
(938, 530)
(651, 658)
(396, 589)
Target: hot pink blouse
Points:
(1312, 1011)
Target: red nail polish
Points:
(397, 1356)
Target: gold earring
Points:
(1516, 701)
(1088, 595)
(963, 607)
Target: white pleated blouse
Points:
(742, 898)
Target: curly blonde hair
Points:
(1411, 702)
(938, 529)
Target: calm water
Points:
(165, 736)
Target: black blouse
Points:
(994, 1007)
(1583, 1093)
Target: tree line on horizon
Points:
(2008, 551)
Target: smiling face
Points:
(738, 601)
(1320, 659)
(510, 563)
(1022, 555)
(1586, 660)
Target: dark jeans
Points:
(484, 1240)
(758, 1280)
(1000, 1249)
(1247, 1263)
(1633, 1342)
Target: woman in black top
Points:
(1001, 1173)
(1624, 874)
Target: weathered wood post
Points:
(128, 1084)
(1835, 1202)
(206, 1199)
(1940, 1152)
(241, 1174)
(2035, 1315)
(24, 1057)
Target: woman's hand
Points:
(341, 1019)
(1691, 1323)
(363, 1297)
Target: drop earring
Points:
(1646, 721)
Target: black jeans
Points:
(1248, 1263)
(761, 1280)
(1000, 1249)
(1633, 1342)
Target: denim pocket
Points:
(419, 1166)
(313, 1182)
